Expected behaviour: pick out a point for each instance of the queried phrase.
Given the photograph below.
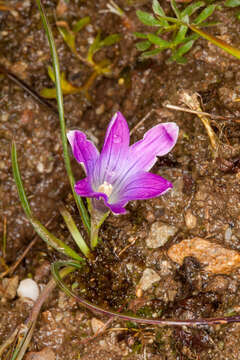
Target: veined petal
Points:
(142, 185)
(84, 188)
(116, 208)
(114, 151)
(83, 150)
(142, 155)
(157, 141)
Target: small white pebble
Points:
(40, 167)
(28, 288)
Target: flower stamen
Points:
(105, 188)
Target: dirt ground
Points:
(204, 203)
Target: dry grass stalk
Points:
(191, 100)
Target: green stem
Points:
(97, 219)
(82, 210)
(218, 42)
(75, 232)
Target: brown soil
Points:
(206, 187)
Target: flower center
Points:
(105, 188)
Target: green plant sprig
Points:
(181, 41)
(99, 68)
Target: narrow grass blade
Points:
(21, 348)
(49, 238)
(53, 241)
(82, 210)
(218, 42)
(75, 232)
(57, 274)
(25, 338)
(18, 181)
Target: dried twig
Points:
(14, 78)
(141, 121)
(179, 108)
(191, 100)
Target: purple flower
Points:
(120, 173)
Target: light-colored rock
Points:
(45, 354)
(28, 288)
(149, 277)
(159, 234)
(190, 219)
(214, 258)
(96, 325)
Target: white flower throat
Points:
(105, 188)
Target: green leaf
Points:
(81, 23)
(48, 93)
(75, 232)
(143, 45)
(204, 14)
(95, 46)
(184, 49)
(53, 241)
(158, 10)
(18, 181)
(66, 86)
(177, 54)
(175, 9)
(147, 19)
(232, 3)
(110, 40)
(69, 38)
(150, 53)
(158, 41)
(98, 44)
(190, 9)
(140, 35)
(180, 34)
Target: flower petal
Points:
(143, 185)
(84, 188)
(83, 150)
(158, 141)
(116, 208)
(114, 151)
(143, 154)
